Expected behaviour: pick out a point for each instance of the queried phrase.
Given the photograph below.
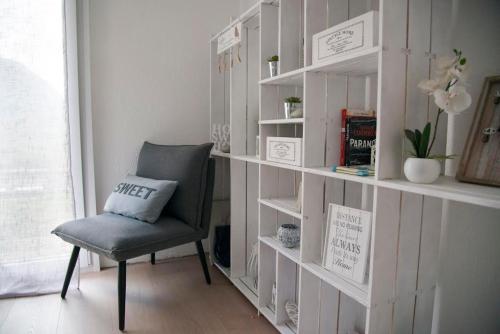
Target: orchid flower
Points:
(450, 95)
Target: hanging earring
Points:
(224, 65)
(238, 58)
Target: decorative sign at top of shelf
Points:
(229, 38)
(347, 241)
(354, 35)
(284, 150)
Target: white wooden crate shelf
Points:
(325, 171)
(282, 121)
(279, 165)
(268, 313)
(248, 158)
(249, 283)
(355, 64)
(285, 205)
(358, 292)
(220, 154)
(249, 294)
(224, 270)
(285, 329)
(450, 189)
(371, 79)
(292, 78)
(291, 253)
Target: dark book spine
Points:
(361, 134)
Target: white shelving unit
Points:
(407, 217)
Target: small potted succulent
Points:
(450, 95)
(292, 107)
(273, 65)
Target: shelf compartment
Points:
(267, 278)
(291, 253)
(273, 96)
(326, 171)
(250, 284)
(354, 64)
(449, 188)
(285, 205)
(287, 288)
(282, 121)
(292, 78)
(249, 294)
(358, 292)
(324, 309)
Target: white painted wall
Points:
(470, 270)
(150, 81)
(245, 4)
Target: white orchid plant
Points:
(450, 95)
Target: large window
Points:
(36, 183)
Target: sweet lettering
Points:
(134, 190)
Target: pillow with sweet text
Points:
(140, 198)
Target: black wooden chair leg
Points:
(203, 260)
(71, 266)
(122, 287)
(153, 261)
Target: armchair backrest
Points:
(186, 164)
(208, 198)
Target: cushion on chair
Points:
(140, 198)
(121, 238)
(186, 164)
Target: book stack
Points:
(358, 170)
(359, 128)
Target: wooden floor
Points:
(169, 297)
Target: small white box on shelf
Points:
(353, 35)
(284, 150)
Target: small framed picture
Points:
(284, 150)
(480, 161)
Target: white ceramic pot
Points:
(418, 170)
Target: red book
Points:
(342, 137)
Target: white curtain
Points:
(36, 182)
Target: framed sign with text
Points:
(347, 241)
(284, 150)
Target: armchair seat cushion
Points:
(121, 238)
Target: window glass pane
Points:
(35, 181)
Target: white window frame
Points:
(77, 31)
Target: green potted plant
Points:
(450, 95)
(292, 107)
(273, 65)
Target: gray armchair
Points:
(185, 218)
